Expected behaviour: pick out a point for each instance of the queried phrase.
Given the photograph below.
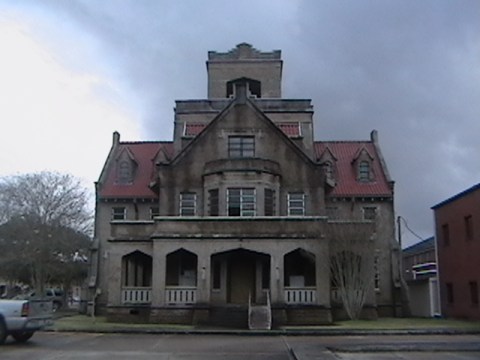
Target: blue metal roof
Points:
(420, 247)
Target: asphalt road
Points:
(69, 346)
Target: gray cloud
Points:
(410, 69)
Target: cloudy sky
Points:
(74, 71)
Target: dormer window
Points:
(125, 167)
(125, 172)
(364, 171)
(362, 164)
(328, 169)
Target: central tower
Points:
(261, 70)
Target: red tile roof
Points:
(291, 129)
(345, 171)
(144, 154)
(193, 129)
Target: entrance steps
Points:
(259, 316)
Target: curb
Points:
(278, 332)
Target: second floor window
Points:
(296, 204)
(473, 292)
(269, 202)
(446, 235)
(468, 227)
(213, 202)
(241, 202)
(154, 211)
(241, 146)
(449, 290)
(119, 213)
(188, 204)
(369, 213)
(332, 212)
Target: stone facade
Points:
(236, 210)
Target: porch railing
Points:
(305, 295)
(136, 295)
(180, 295)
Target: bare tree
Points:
(352, 255)
(45, 222)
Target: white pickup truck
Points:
(21, 318)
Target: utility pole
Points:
(399, 218)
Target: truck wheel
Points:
(3, 331)
(22, 336)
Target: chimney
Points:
(116, 138)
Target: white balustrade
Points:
(136, 295)
(306, 295)
(180, 295)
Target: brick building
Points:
(457, 227)
(236, 210)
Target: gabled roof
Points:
(346, 174)
(362, 150)
(242, 100)
(144, 154)
(326, 154)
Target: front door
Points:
(241, 278)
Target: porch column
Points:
(203, 278)
(114, 284)
(276, 279)
(159, 269)
(322, 275)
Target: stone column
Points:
(322, 275)
(159, 269)
(276, 279)
(203, 278)
(114, 281)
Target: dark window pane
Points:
(213, 199)
(269, 202)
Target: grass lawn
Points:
(99, 324)
(398, 324)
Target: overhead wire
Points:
(408, 228)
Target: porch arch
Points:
(238, 274)
(300, 277)
(136, 278)
(181, 277)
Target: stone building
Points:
(236, 209)
(457, 229)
